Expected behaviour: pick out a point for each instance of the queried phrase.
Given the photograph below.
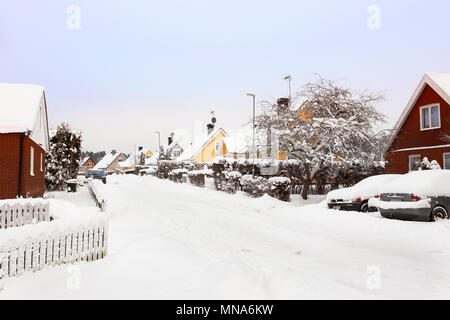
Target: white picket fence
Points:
(61, 241)
(20, 214)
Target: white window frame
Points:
(429, 106)
(42, 163)
(409, 160)
(443, 160)
(31, 161)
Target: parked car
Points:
(417, 196)
(96, 174)
(356, 198)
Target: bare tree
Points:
(326, 124)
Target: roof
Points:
(236, 143)
(107, 160)
(439, 82)
(204, 142)
(84, 160)
(20, 107)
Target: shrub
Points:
(177, 175)
(255, 186)
(280, 188)
(197, 177)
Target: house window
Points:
(447, 161)
(430, 117)
(177, 153)
(42, 163)
(31, 161)
(90, 164)
(414, 162)
(217, 147)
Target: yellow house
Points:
(211, 148)
(148, 154)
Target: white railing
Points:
(31, 247)
(21, 214)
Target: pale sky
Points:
(135, 67)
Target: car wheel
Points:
(439, 213)
(364, 207)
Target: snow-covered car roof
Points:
(364, 189)
(421, 183)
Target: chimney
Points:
(210, 126)
(171, 137)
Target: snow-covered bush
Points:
(62, 161)
(176, 175)
(280, 188)
(427, 165)
(255, 186)
(197, 177)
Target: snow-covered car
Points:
(417, 196)
(96, 174)
(356, 198)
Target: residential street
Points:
(172, 240)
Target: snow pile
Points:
(233, 174)
(365, 189)
(425, 183)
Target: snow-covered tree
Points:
(326, 124)
(62, 161)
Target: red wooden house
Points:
(86, 164)
(24, 140)
(420, 131)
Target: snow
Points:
(425, 203)
(426, 183)
(365, 189)
(175, 241)
(442, 80)
(20, 106)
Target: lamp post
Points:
(159, 143)
(253, 96)
(289, 78)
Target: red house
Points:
(24, 139)
(422, 126)
(86, 164)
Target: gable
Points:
(211, 139)
(410, 134)
(439, 84)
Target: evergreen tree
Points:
(62, 161)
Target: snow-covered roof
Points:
(84, 160)
(198, 147)
(20, 106)
(107, 160)
(439, 82)
(236, 143)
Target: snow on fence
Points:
(71, 237)
(94, 188)
(21, 214)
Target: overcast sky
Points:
(134, 67)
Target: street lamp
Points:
(253, 96)
(159, 143)
(289, 78)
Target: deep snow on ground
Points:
(172, 240)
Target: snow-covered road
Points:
(178, 241)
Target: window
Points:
(447, 161)
(217, 147)
(430, 117)
(42, 163)
(90, 164)
(177, 153)
(31, 161)
(414, 162)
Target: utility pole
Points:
(254, 107)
